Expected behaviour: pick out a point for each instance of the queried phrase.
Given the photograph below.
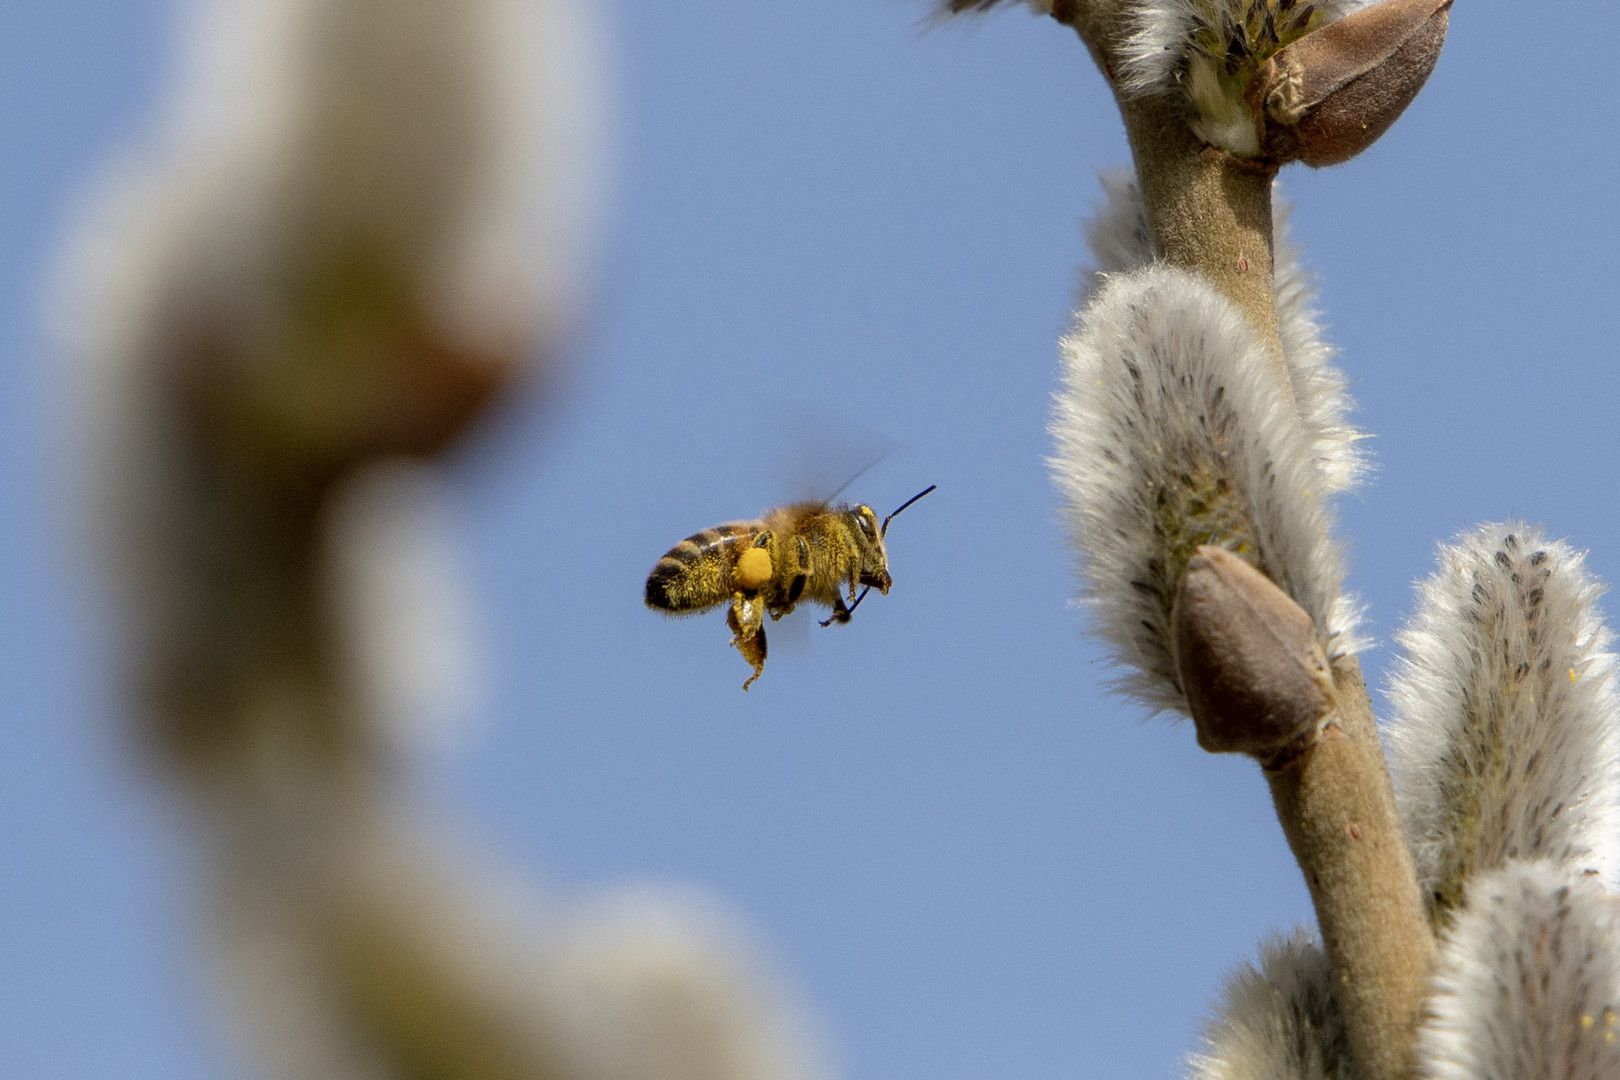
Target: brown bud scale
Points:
(1253, 672)
(1328, 96)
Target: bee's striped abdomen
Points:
(696, 573)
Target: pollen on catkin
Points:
(1171, 432)
(1527, 981)
(1497, 753)
(1210, 51)
(1120, 239)
(1277, 1020)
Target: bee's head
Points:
(874, 570)
(868, 536)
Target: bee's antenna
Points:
(885, 530)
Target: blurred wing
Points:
(827, 452)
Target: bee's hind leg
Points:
(795, 565)
(747, 621)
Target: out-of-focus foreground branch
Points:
(357, 227)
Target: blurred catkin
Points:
(358, 224)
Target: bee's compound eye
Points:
(753, 569)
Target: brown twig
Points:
(1211, 213)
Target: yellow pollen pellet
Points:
(1608, 1036)
(1586, 1021)
(753, 569)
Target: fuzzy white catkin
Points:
(1162, 32)
(379, 923)
(1117, 232)
(458, 138)
(1321, 392)
(1527, 981)
(1163, 378)
(440, 144)
(405, 624)
(1120, 239)
(1504, 743)
(1277, 1021)
(461, 135)
(464, 138)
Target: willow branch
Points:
(1210, 213)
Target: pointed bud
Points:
(1331, 94)
(1255, 677)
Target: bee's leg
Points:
(798, 575)
(843, 614)
(747, 621)
(840, 613)
(753, 651)
(801, 570)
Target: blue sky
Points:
(968, 859)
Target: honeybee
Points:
(808, 552)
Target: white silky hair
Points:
(1504, 744)
(1277, 1020)
(1117, 232)
(639, 983)
(399, 598)
(1164, 386)
(459, 138)
(1527, 981)
(1321, 392)
(1161, 31)
(463, 138)
(1121, 239)
(1154, 53)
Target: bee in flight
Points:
(809, 552)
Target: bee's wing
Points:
(828, 452)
